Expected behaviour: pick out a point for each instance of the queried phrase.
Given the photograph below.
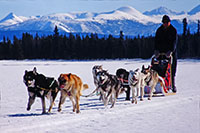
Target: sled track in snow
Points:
(54, 120)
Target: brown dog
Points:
(71, 86)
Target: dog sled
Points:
(163, 65)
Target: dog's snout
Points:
(144, 71)
(61, 80)
(29, 82)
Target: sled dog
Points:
(40, 86)
(71, 86)
(95, 70)
(122, 74)
(110, 87)
(151, 80)
(134, 83)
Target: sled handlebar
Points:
(169, 57)
(163, 54)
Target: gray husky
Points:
(95, 70)
(151, 79)
(110, 87)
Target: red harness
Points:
(123, 80)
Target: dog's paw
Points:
(127, 99)
(134, 101)
(59, 110)
(28, 108)
(78, 111)
(112, 106)
(44, 112)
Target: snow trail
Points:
(178, 113)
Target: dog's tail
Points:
(162, 82)
(161, 79)
(85, 86)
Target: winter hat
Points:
(165, 19)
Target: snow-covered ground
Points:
(179, 113)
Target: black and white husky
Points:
(110, 87)
(40, 86)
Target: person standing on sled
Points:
(165, 42)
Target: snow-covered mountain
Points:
(128, 13)
(162, 11)
(194, 10)
(126, 19)
(11, 19)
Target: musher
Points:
(166, 42)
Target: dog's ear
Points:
(143, 67)
(60, 76)
(26, 71)
(149, 67)
(106, 71)
(69, 75)
(34, 70)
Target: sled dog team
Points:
(107, 85)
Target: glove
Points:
(168, 54)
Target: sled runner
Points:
(162, 65)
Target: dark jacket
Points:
(166, 39)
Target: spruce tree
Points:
(198, 28)
(184, 47)
(184, 26)
(56, 33)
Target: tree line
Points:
(90, 46)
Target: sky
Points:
(45, 7)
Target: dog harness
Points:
(148, 79)
(42, 88)
(134, 81)
(68, 92)
(124, 81)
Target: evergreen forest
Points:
(90, 46)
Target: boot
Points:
(174, 89)
(173, 85)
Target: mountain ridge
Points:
(126, 19)
(162, 11)
(194, 10)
